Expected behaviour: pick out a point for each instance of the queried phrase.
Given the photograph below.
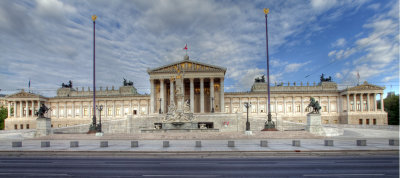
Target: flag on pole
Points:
(29, 84)
(185, 48)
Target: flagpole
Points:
(93, 127)
(269, 125)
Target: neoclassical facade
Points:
(204, 90)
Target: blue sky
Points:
(50, 42)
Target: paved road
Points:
(343, 166)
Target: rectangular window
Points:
(77, 112)
(280, 108)
(109, 111)
(367, 122)
(69, 112)
(262, 108)
(335, 121)
(374, 121)
(298, 108)
(352, 106)
(253, 108)
(135, 112)
(117, 112)
(360, 121)
(62, 112)
(54, 112)
(226, 110)
(27, 126)
(15, 127)
(289, 108)
(324, 109)
(85, 112)
(358, 106)
(21, 126)
(126, 111)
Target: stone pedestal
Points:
(314, 124)
(43, 127)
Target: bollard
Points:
(393, 142)
(361, 142)
(134, 144)
(328, 142)
(73, 144)
(45, 144)
(16, 144)
(198, 143)
(103, 144)
(264, 143)
(296, 143)
(165, 144)
(231, 143)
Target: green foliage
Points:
(392, 108)
(3, 116)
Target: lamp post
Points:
(247, 105)
(100, 108)
(212, 104)
(269, 125)
(159, 111)
(93, 128)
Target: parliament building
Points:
(203, 89)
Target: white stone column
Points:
(240, 105)
(329, 105)
(81, 109)
(348, 102)
(191, 95)
(73, 109)
(276, 105)
(375, 103)
(139, 107)
(284, 105)
(230, 105)
(15, 109)
(202, 95)
(212, 94)
(65, 110)
(20, 109)
(222, 94)
(258, 106)
(368, 103)
(122, 109)
(382, 104)
(8, 109)
(113, 109)
(33, 108)
(171, 92)
(361, 102)
(293, 104)
(338, 103)
(26, 109)
(58, 109)
(152, 95)
(162, 95)
(355, 102)
(301, 105)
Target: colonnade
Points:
(23, 105)
(360, 96)
(172, 86)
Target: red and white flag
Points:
(185, 48)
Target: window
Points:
(15, 127)
(27, 126)
(358, 106)
(54, 112)
(21, 126)
(326, 121)
(298, 108)
(289, 108)
(77, 112)
(324, 109)
(69, 112)
(59, 125)
(226, 109)
(126, 111)
(367, 122)
(85, 112)
(374, 121)
(262, 108)
(352, 106)
(360, 121)
(253, 108)
(109, 111)
(117, 112)
(279, 108)
(62, 112)
(335, 121)
(135, 112)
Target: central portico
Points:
(203, 86)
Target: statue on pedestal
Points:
(42, 110)
(314, 105)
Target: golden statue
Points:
(266, 11)
(94, 17)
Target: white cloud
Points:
(375, 6)
(322, 5)
(339, 43)
(294, 67)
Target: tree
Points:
(391, 104)
(3, 116)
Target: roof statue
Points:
(328, 79)
(69, 85)
(260, 79)
(130, 83)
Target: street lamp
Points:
(159, 111)
(212, 104)
(100, 108)
(247, 105)
(93, 128)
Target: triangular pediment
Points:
(187, 66)
(23, 94)
(365, 86)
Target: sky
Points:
(49, 42)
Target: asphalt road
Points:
(339, 166)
